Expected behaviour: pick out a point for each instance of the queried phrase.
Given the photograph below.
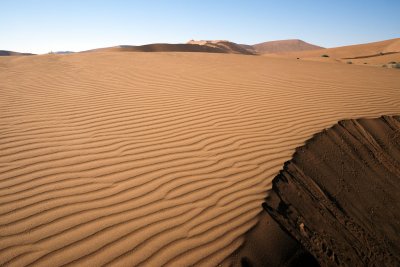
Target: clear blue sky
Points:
(41, 26)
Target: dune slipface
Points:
(157, 158)
(340, 194)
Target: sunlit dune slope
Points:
(157, 158)
(376, 53)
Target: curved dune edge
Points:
(339, 196)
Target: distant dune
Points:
(385, 53)
(371, 53)
(360, 50)
(159, 48)
(262, 48)
(12, 53)
(158, 159)
(63, 52)
(192, 46)
(216, 46)
(228, 47)
(284, 46)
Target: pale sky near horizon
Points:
(40, 26)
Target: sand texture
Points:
(157, 158)
(340, 194)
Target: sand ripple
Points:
(157, 158)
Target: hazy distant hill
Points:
(159, 48)
(287, 48)
(63, 52)
(12, 53)
(366, 50)
(191, 46)
(226, 46)
(383, 54)
(284, 46)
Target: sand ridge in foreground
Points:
(157, 158)
(339, 195)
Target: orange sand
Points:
(157, 158)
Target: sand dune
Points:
(12, 53)
(192, 46)
(376, 53)
(157, 158)
(282, 46)
(340, 194)
(226, 46)
(159, 48)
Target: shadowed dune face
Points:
(157, 158)
(12, 53)
(340, 194)
(160, 48)
(192, 46)
(226, 46)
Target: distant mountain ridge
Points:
(226, 46)
(291, 48)
(159, 47)
(12, 53)
(205, 46)
(62, 52)
(261, 48)
(191, 46)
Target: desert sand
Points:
(151, 159)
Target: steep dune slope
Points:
(157, 158)
(340, 194)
